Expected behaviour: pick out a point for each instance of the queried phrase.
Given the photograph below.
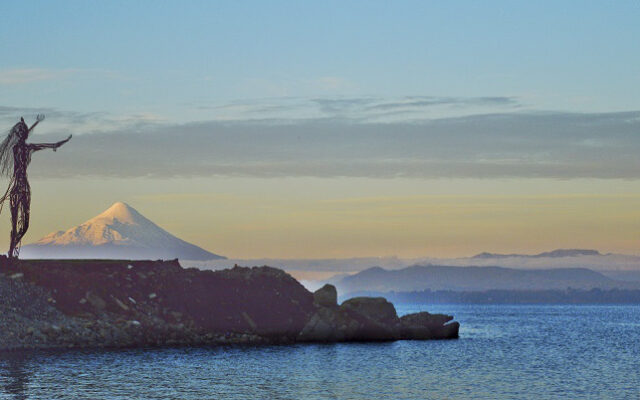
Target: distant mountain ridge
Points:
(550, 254)
(120, 232)
(432, 277)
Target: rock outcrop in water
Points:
(115, 303)
(371, 319)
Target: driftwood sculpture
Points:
(15, 156)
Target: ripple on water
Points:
(544, 352)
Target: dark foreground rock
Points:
(115, 303)
(374, 318)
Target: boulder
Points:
(377, 309)
(374, 318)
(349, 323)
(426, 319)
(423, 326)
(322, 327)
(326, 296)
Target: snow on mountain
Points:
(119, 232)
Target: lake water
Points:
(511, 352)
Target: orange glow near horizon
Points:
(341, 218)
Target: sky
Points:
(335, 129)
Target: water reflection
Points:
(14, 374)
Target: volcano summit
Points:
(120, 232)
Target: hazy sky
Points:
(316, 129)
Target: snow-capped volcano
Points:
(119, 232)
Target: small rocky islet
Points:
(120, 303)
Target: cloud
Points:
(334, 106)
(13, 113)
(357, 109)
(520, 144)
(430, 101)
(16, 76)
(76, 122)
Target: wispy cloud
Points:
(76, 122)
(520, 144)
(358, 109)
(16, 76)
(431, 101)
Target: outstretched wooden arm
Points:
(39, 118)
(42, 146)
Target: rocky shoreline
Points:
(46, 304)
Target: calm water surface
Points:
(511, 352)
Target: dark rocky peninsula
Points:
(119, 303)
